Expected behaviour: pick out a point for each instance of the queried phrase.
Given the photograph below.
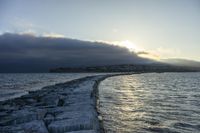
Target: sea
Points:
(14, 85)
(151, 103)
(137, 103)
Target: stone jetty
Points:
(62, 108)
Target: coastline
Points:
(96, 93)
(66, 107)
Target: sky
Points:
(156, 28)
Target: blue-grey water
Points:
(148, 103)
(15, 85)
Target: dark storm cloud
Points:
(28, 53)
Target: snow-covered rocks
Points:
(62, 108)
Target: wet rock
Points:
(51, 99)
(8, 108)
(49, 118)
(35, 127)
(83, 131)
(100, 118)
(75, 114)
(11, 129)
(61, 108)
(83, 123)
(71, 107)
(60, 102)
(23, 116)
(2, 114)
(6, 121)
(41, 113)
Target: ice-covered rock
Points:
(49, 118)
(83, 131)
(68, 107)
(23, 116)
(76, 114)
(35, 127)
(76, 124)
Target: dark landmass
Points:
(182, 62)
(34, 54)
(22, 53)
(159, 67)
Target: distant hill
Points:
(166, 65)
(182, 62)
(153, 67)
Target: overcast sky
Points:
(165, 28)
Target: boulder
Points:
(76, 114)
(36, 126)
(83, 131)
(67, 125)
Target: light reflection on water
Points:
(166, 102)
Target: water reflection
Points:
(151, 103)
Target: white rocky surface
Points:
(62, 108)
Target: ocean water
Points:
(15, 85)
(151, 103)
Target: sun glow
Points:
(138, 50)
(127, 44)
(150, 56)
(133, 47)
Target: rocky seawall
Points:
(70, 107)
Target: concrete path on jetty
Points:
(62, 108)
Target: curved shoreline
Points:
(60, 108)
(96, 92)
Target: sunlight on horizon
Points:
(133, 47)
(150, 56)
(130, 45)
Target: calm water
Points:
(146, 103)
(15, 85)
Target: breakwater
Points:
(61, 108)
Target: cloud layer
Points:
(28, 53)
